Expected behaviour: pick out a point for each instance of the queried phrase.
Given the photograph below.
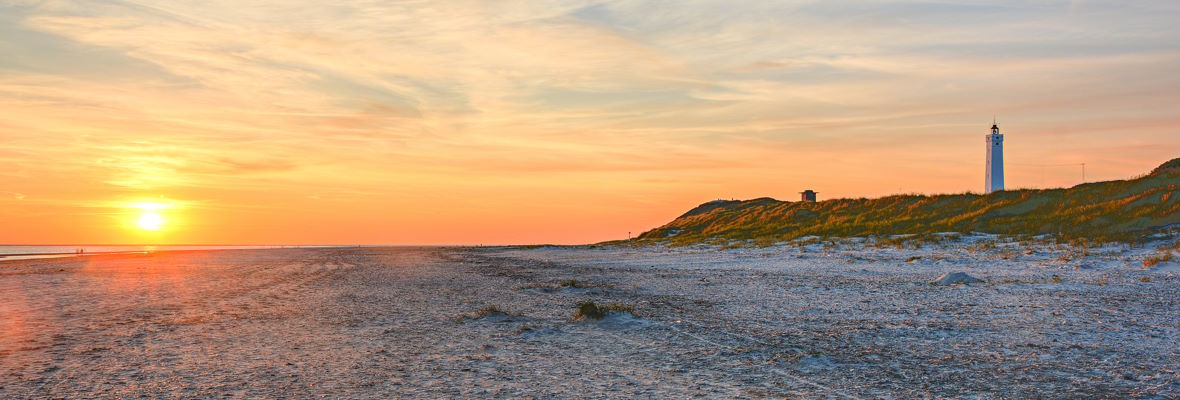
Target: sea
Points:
(12, 252)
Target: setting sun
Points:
(150, 221)
(148, 216)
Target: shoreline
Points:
(43, 256)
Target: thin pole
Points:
(1083, 172)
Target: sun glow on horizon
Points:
(150, 206)
(150, 221)
(149, 215)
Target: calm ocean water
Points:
(12, 252)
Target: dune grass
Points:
(1123, 210)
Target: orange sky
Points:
(548, 121)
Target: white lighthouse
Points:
(994, 178)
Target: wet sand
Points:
(403, 322)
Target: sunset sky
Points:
(448, 122)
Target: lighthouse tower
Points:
(994, 178)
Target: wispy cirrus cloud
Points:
(457, 108)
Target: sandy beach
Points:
(834, 320)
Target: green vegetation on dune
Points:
(1102, 211)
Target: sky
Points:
(501, 122)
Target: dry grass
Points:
(489, 310)
(587, 309)
(484, 312)
(568, 284)
(1157, 259)
(524, 328)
